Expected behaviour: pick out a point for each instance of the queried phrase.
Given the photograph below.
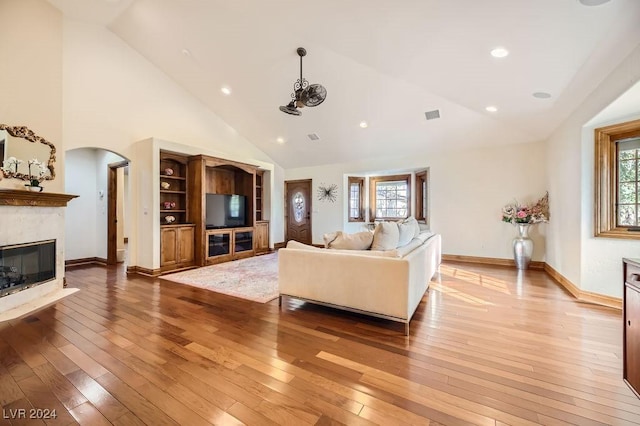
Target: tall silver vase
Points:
(522, 246)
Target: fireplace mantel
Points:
(16, 197)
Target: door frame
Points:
(112, 210)
(286, 207)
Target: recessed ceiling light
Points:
(186, 52)
(541, 95)
(225, 90)
(280, 140)
(364, 124)
(491, 108)
(593, 2)
(499, 52)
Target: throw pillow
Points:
(327, 238)
(406, 233)
(414, 223)
(386, 236)
(357, 241)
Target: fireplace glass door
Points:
(26, 265)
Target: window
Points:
(628, 200)
(389, 197)
(422, 199)
(617, 195)
(356, 199)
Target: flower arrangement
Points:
(36, 177)
(518, 213)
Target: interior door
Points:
(298, 210)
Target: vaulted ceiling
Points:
(383, 62)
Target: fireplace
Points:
(27, 265)
(31, 277)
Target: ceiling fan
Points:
(305, 94)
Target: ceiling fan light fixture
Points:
(304, 94)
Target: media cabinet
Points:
(185, 240)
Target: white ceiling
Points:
(386, 62)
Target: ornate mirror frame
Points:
(26, 133)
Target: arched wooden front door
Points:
(298, 210)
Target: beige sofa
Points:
(387, 284)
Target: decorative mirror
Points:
(25, 155)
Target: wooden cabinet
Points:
(259, 194)
(176, 234)
(223, 245)
(176, 246)
(631, 318)
(173, 188)
(262, 236)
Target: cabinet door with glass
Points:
(219, 245)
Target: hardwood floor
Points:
(488, 346)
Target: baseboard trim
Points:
(582, 295)
(537, 265)
(143, 271)
(84, 261)
(277, 246)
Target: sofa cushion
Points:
(386, 236)
(357, 241)
(413, 222)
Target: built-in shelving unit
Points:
(176, 232)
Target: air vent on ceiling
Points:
(432, 115)
(313, 136)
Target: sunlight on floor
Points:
(467, 298)
(477, 279)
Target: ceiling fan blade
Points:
(313, 95)
(290, 108)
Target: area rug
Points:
(255, 278)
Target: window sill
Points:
(619, 233)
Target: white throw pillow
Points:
(406, 233)
(357, 241)
(386, 236)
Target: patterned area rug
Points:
(255, 278)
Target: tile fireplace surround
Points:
(27, 217)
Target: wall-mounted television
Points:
(226, 211)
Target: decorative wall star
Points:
(328, 192)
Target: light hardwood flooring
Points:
(488, 346)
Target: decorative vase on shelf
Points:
(522, 246)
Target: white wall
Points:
(592, 264)
(31, 82)
(468, 190)
(81, 214)
(86, 221)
